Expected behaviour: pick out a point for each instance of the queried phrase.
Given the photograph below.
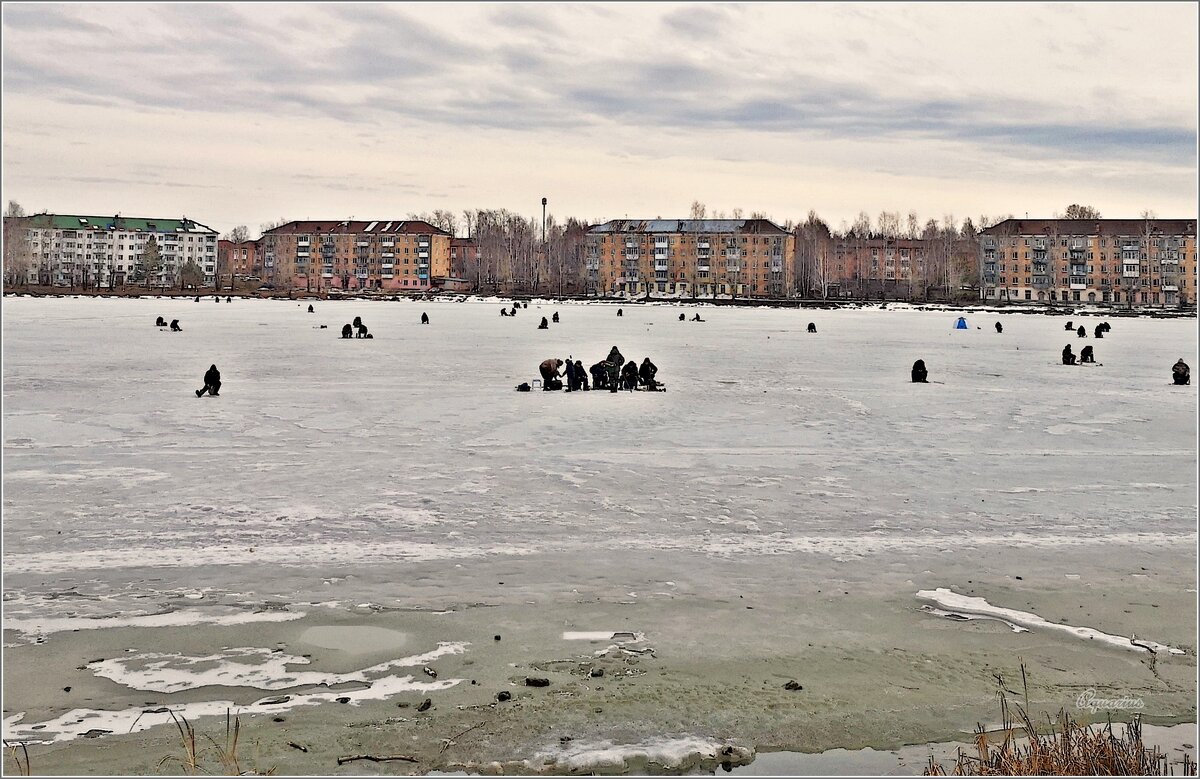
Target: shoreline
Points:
(911, 678)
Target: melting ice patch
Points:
(675, 755)
(242, 667)
(965, 605)
(191, 672)
(39, 626)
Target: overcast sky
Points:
(239, 114)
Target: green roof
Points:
(124, 223)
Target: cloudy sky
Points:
(244, 113)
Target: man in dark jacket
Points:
(1099, 332)
(1068, 356)
(347, 331)
(175, 325)
(581, 376)
(919, 374)
(1086, 355)
(1081, 332)
(212, 382)
(1069, 326)
(555, 317)
(646, 373)
(1180, 373)
(629, 376)
(812, 327)
(572, 383)
(160, 322)
(544, 325)
(424, 318)
(999, 328)
(599, 373)
(612, 369)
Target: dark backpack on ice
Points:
(524, 387)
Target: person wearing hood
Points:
(599, 373)
(629, 376)
(1181, 374)
(424, 318)
(347, 331)
(1069, 326)
(613, 366)
(1099, 332)
(1068, 357)
(999, 328)
(544, 325)
(812, 327)
(572, 382)
(212, 382)
(1081, 332)
(581, 375)
(554, 318)
(1085, 355)
(646, 373)
(160, 322)
(919, 374)
(175, 326)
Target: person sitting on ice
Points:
(581, 376)
(1180, 373)
(629, 376)
(212, 382)
(347, 331)
(1068, 356)
(1099, 332)
(919, 374)
(160, 322)
(544, 325)
(999, 328)
(310, 308)
(682, 316)
(197, 298)
(619, 312)
(1069, 326)
(424, 318)
(697, 318)
(549, 370)
(504, 312)
(1106, 326)
(1081, 332)
(646, 373)
(514, 310)
(1086, 355)
(554, 318)
(175, 325)
(812, 327)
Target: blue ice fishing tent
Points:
(961, 324)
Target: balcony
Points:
(632, 254)
(1131, 271)
(388, 266)
(1170, 288)
(327, 275)
(662, 243)
(387, 274)
(660, 264)
(388, 254)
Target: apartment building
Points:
(239, 261)
(108, 251)
(1131, 262)
(692, 257)
(399, 254)
(909, 268)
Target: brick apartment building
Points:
(1134, 262)
(239, 261)
(397, 255)
(693, 257)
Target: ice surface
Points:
(325, 457)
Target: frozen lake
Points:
(405, 472)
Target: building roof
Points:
(689, 226)
(1091, 227)
(123, 223)
(346, 226)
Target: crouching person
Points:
(919, 374)
(212, 382)
(1180, 373)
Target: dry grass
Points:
(193, 752)
(22, 765)
(1067, 749)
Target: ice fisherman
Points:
(175, 326)
(424, 318)
(629, 376)
(1099, 332)
(310, 308)
(555, 317)
(919, 374)
(1069, 326)
(347, 331)
(646, 373)
(1068, 356)
(682, 316)
(599, 375)
(1180, 373)
(1085, 355)
(999, 328)
(1081, 332)
(160, 322)
(619, 312)
(545, 325)
(570, 373)
(212, 382)
(581, 376)
(812, 327)
(549, 370)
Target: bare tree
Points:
(239, 234)
(17, 259)
(698, 210)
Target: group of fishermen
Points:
(356, 329)
(1081, 331)
(160, 322)
(612, 373)
(1086, 355)
(515, 306)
